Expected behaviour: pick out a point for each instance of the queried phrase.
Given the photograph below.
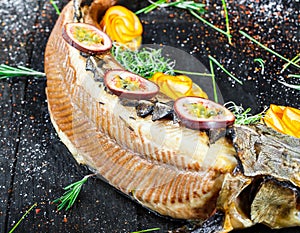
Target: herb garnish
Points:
(226, 71)
(297, 87)
(211, 65)
(262, 64)
(182, 4)
(71, 193)
(226, 21)
(242, 116)
(23, 216)
(147, 230)
(296, 60)
(9, 71)
(194, 8)
(144, 62)
(55, 7)
(269, 50)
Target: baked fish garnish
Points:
(141, 148)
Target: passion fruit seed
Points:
(87, 36)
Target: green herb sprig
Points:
(191, 73)
(295, 59)
(294, 76)
(9, 71)
(194, 8)
(226, 21)
(262, 64)
(55, 7)
(225, 70)
(211, 65)
(242, 116)
(23, 216)
(293, 86)
(71, 193)
(269, 50)
(182, 4)
(209, 24)
(147, 230)
(144, 62)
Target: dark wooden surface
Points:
(35, 165)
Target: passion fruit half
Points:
(129, 85)
(86, 38)
(199, 113)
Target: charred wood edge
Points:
(213, 224)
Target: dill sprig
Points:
(71, 193)
(182, 4)
(9, 71)
(242, 116)
(144, 62)
(23, 216)
(147, 230)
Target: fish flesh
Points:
(143, 150)
(132, 153)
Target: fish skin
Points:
(166, 167)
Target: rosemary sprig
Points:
(9, 71)
(268, 49)
(242, 116)
(226, 71)
(262, 64)
(147, 230)
(71, 193)
(23, 216)
(55, 7)
(182, 4)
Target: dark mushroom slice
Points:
(86, 38)
(161, 110)
(144, 108)
(199, 113)
(129, 85)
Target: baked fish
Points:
(171, 169)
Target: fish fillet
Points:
(166, 167)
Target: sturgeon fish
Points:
(231, 181)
